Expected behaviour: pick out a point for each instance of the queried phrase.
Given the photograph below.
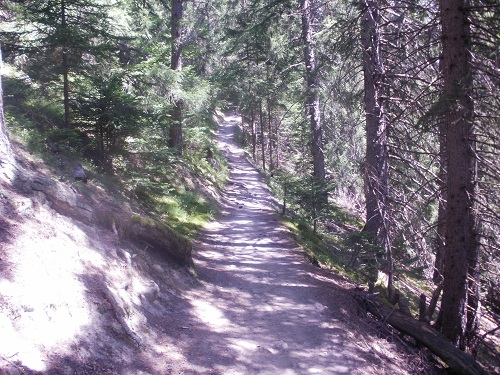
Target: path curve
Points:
(262, 308)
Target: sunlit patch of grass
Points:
(186, 212)
(333, 251)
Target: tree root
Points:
(120, 315)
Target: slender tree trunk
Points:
(312, 101)
(471, 338)
(277, 139)
(459, 304)
(376, 167)
(175, 133)
(270, 132)
(437, 277)
(262, 136)
(176, 33)
(254, 134)
(101, 137)
(5, 147)
(65, 67)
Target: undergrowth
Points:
(179, 191)
(348, 252)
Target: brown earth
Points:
(79, 299)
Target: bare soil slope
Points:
(77, 298)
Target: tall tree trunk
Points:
(176, 34)
(65, 67)
(376, 167)
(254, 134)
(312, 101)
(437, 277)
(175, 132)
(277, 140)
(459, 302)
(262, 136)
(5, 147)
(270, 132)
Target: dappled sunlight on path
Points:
(262, 308)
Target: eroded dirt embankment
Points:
(82, 277)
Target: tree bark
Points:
(254, 134)
(433, 302)
(270, 132)
(376, 123)
(459, 302)
(437, 276)
(175, 132)
(376, 164)
(176, 33)
(312, 101)
(262, 136)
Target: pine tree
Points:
(61, 32)
(462, 226)
(376, 166)
(175, 132)
(313, 114)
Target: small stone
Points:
(151, 292)
(79, 174)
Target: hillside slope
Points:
(82, 277)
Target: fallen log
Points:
(458, 361)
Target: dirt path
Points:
(262, 309)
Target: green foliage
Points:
(364, 257)
(66, 141)
(36, 120)
(172, 189)
(300, 196)
(122, 89)
(108, 114)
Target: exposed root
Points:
(120, 315)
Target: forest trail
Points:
(262, 308)
(78, 299)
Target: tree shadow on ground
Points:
(262, 309)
